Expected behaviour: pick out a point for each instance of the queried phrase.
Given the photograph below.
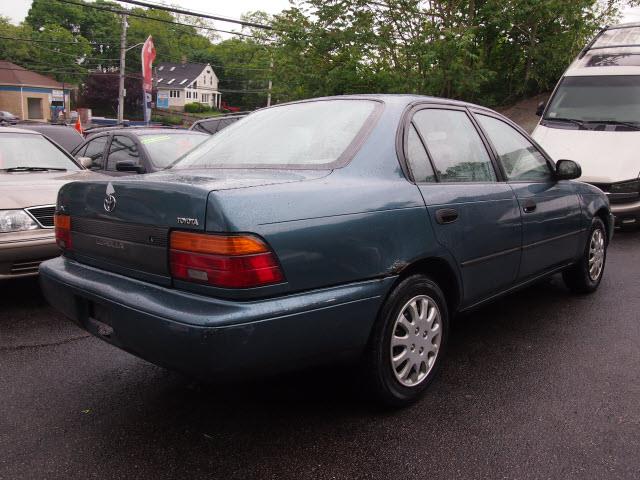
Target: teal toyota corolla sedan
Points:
(334, 229)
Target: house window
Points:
(205, 98)
(195, 84)
(174, 93)
(188, 94)
(171, 81)
(182, 82)
(195, 95)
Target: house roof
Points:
(12, 74)
(178, 75)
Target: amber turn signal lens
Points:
(62, 221)
(62, 224)
(217, 244)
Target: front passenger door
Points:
(551, 220)
(122, 149)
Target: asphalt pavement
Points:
(541, 384)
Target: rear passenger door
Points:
(474, 215)
(551, 214)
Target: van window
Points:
(597, 99)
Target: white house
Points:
(183, 83)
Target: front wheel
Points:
(586, 275)
(408, 341)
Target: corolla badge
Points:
(109, 200)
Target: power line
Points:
(144, 17)
(195, 14)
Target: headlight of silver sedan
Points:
(16, 221)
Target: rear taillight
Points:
(62, 224)
(225, 261)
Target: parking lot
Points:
(541, 384)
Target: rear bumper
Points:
(213, 338)
(22, 252)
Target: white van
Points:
(593, 117)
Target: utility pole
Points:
(123, 52)
(270, 83)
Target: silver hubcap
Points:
(596, 254)
(415, 340)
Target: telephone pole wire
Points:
(123, 52)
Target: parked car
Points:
(215, 124)
(593, 117)
(132, 150)
(64, 135)
(324, 230)
(8, 118)
(32, 169)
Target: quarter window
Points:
(122, 149)
(95, 151)
(520, 159)
(418, 158)
(454, 145)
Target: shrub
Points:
(196, 107)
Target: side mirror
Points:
(86, 162)
(540, 108)
(567, 170)
(129, 166)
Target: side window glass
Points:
(81, 152)
(95, 151)
(455, 146)
(521, 160)
(122, 149)
(418, 159)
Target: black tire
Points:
(577, 277)
(382, 378)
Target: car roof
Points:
(17, 130)
(615, 50)
(396, 99)
(148, 130)
(64, 135)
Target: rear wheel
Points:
(586, 275)
(408, 341)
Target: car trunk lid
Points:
(123, 225)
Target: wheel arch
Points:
(603, 214)
(442, 273)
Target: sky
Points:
(16, 10)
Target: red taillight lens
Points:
(62, 225)
(223, 261)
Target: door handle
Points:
(529, 206)
(446, 215)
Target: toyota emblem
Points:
(109, 203)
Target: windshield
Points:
(599, 98)
(18, 150)
(166, 148)
(300, 135)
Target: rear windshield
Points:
(598, 98)
(164, 149)
(31, 150)
(300, 135)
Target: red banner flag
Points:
(148, 56)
